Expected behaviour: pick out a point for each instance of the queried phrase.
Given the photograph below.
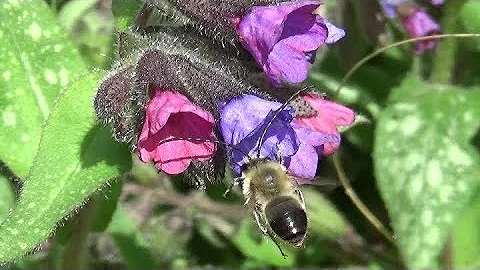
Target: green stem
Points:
(444, 59)
(75, 254)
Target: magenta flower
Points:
(329, 116)
(419, 24)
(243, 121)
(171, 115)
(282, 38)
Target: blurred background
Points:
(146, 220)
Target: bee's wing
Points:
(324, 184)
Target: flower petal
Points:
(172, 115)
(420, 24)
(245, 120)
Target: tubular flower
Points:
(283, 38)
(418, 23)
(329, 116)
(245, 119)
(171, 115)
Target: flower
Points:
(438, 2)
(171, 115)
(329, 116)
(282, 38)
(245, 119)
(418, 23)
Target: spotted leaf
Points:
(426, 166)
(38, 61)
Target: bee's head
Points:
(287, 219)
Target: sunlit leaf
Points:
(426, 166)
(74, 159)
(37, 62)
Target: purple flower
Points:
(390, 7)
(418, 23)
(282, 38)
(244, 120)
(438, 2)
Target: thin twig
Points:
(396, 44)
(357, 202)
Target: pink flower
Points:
(418, 23)
(171, 115)
(329, 116)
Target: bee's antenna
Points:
(206, 140)
(277, 112)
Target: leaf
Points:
(471, 21)
(466, 238)
(125, 12)
(38, 61)
(7, 197)
(74, 159)
(323, 218)
(264, 251)
(106, 204)
(426, 167)
(133, 247)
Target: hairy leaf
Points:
(426, 166)
(74, 159)
(38, 61)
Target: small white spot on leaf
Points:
(35, 31)
(434, 174)
(7, 75)
(9, 118)
(50, 76)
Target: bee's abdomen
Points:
(287, 219)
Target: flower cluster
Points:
(255, 127)
(415, 20)
(186, 104)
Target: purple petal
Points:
(437, 2)
(334, 33)
(279, 36)
(420, 24)
(243, 122)
(390, 7)
(304, 163)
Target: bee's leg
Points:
(236, 182)
(299, 193)
(262, 224)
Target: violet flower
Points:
(282, 38)
(416, 21)
(244, 120)
(171, 115)
(419, 24)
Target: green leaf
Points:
(471, 21)
(125, 12)
(74, 159)
(426, 167)
(324, 220)
(106, 204)
(466, 238)
(130, 242)
(264, 251)
(7, 197)
(38, 61)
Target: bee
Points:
(274, 197)
(277, 203)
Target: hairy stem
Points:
(75, 255)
